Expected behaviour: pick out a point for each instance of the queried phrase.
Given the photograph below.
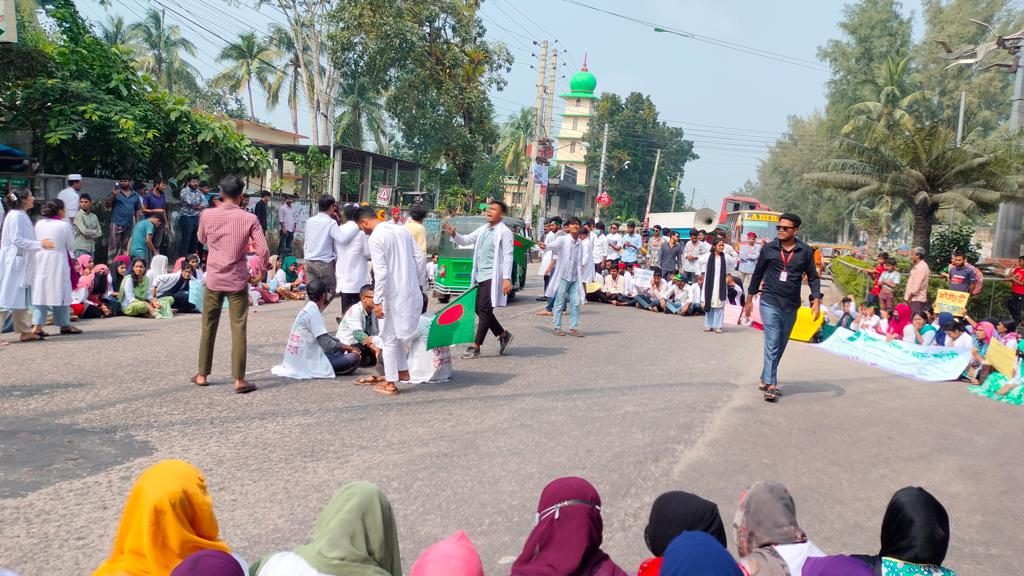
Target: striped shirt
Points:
(228, 230)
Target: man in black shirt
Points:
(781, 266)
(261, 209)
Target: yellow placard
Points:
(1002, 358)
(951, 301)
(762, 217)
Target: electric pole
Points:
(546, 143)
(650, 193)
(679, 184)
(600, 174)
(531, 200)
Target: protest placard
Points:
(1002, 358)
(951, 301)
(642, 276)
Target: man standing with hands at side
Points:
(492, 273)
(781, 265)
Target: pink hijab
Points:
(179, 263)
(453, 556)
(85, 280)
(985, 328)
(902, 318)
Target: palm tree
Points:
(250, 59)
(115, 31)
(896, 99)
(159, 51)
(515, 135)
(923, 167)
(361, 114)
(289, 72)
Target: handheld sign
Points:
(1002, 358)
(951, 301)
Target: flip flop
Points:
(195, 380)
(770, 395)
(366, 381)
(68, 330)
(245, 389)
(576, 333)
(383, 389)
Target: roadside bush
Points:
(949, 239)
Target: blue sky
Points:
(731, 103)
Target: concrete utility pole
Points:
(960, 120)
(679, 184)
(650, 193)
(531, 200)
(549, 104)
(600, 174)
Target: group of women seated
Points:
(168, 527)
(131, 288)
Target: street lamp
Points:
(683, 34)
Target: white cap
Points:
(74, 177)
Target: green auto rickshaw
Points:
(455, 263)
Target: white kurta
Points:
(717, 300)
(399, 272)
(18, 247)
(503, 246)
(52, 283)
(303, 357)
(562, 248)
(350, 270)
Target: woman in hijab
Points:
(915, 536)
(168, 517)
(698, 554)
(672, 514)
(209, 563)
(18, 248)
(715, 266)
(157, 267)
(898, 321)
(768, 538)
(453, 556)
(940, 334)
(566, 540)
(285, 279)
(355, 535)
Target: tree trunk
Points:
(252, 109)
(924, 217)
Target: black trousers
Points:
(485, 312)
(1014, 304)
(348, 299)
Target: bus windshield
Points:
(759, 222)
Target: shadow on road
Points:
(794, 388)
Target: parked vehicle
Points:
(455, 263)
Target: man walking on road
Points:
(399, 274)
(228, 230)
(492, 274)
(748, 255)
(916, 293)
(565, 289)
(781, 265)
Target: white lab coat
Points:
(52, 283)
(18, 247)
(399, 272)
(588, 258)
(562, 248)
(504, 244)
(350, 270)
(545, 260)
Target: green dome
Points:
(583, 81)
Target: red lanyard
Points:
(785, 261)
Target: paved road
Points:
(644, 404)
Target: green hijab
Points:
(355, 535)
(288, 274)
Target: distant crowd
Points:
(168, 526)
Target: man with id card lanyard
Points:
(781, 266)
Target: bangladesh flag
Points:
(522, 245)
(456, 323)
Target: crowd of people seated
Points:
(168, 526)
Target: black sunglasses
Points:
(785, 228)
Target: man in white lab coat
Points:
(494, 244)
(399, 274)
(566, 287)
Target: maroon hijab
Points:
(567, 538)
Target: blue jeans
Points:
(672, 308)
(644, 302)
(715, 318)
(61, 315)
(570, 290)
(187, 227)
(778, 325)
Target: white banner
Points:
(643, 276)
(930, 363)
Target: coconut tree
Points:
(515, 135)
(115, 31)
(923, 167)
(898, 96)
(360, 115)
(289, 76)
(159, 48)
(250, 58)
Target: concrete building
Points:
(573, 193)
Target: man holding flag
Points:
(494, 244)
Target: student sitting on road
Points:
(209, 563)
(915, 536)
(311, 352)
(453, 556)
(695, 297)
(174, 285)
(698, 554)
(768, 538)
(568, 533)
(358, 328)
(136, 295)
(168, 517)
(672, 514)
(355, 534)
(286, 280)
(675, 296)
(867, 321)
(649, 297)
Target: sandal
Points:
(31, 337)
(770, 395)
(576, 333)
(383, 389)
(245, 389)
(367, 381)
(195, 380)
(70, 330)
(559, 332)
(762, 387)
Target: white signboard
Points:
(383, 196)
(642, 276)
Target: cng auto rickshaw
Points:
(455, 263)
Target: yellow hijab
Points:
(168, 516)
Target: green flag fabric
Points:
(456, 323)
(522, 245)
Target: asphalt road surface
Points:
(645, 403)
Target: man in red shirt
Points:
(228, 230)
(1016, 301)
(876, 287)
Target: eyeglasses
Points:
(785, 228)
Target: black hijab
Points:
(709, 277)
(915, 528)
(676, 512)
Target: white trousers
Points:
(395, 351)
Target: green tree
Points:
(249, 59)
(314, 165)
(115, 31)
(635, 134)
(949, 239)
(159, 49)
(289, 75)
(516, 134)
(897, 98)
(922, 167)
(437, 67)
(361, 116)
(872, 31)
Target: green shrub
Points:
(850, 280)
(949, 239)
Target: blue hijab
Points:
(940, 334)
(698, 554)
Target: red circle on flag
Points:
(450, 316)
